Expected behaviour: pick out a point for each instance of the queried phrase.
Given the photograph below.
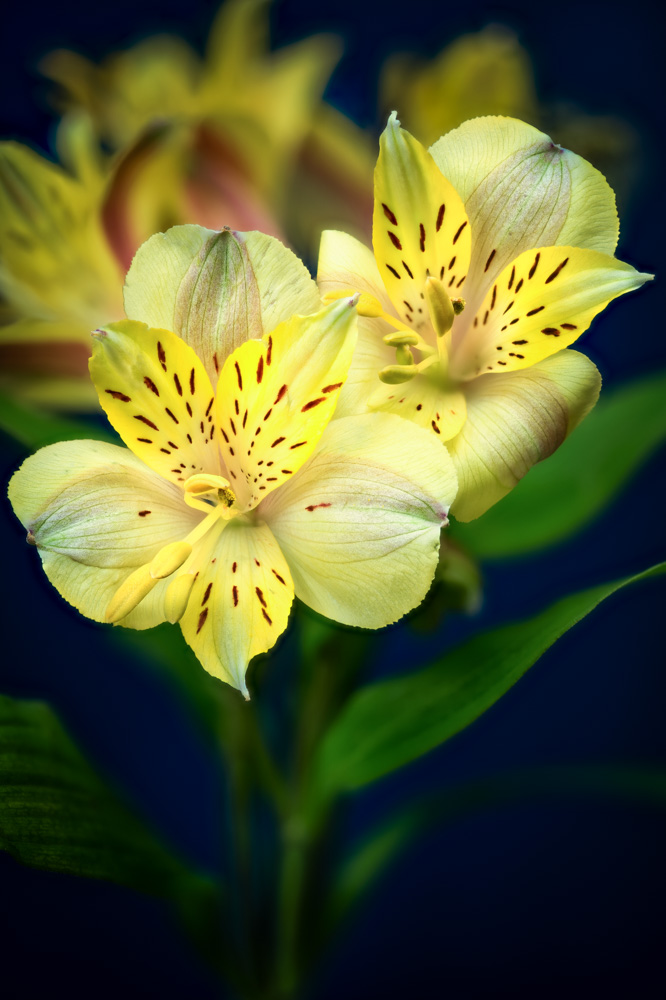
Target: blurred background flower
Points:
(536, 885)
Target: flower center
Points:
(205, 492)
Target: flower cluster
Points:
(284, 439)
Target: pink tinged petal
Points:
(513, 422)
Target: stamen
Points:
(395, 374)
(367, 305)
(204, 491)
(177, 595)
(403, 355)
(130, 594)
(169, 559)
(402, 339)
(442, 312)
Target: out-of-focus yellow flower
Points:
(231, 128)
(486, 73)
(234, 492)
(490, 73)
(525, 231)
(59, 277)
(240, 140)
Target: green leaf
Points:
(560, 496)
(391, 723)
(35, 428)
(57, 813)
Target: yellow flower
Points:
(493, 252)
(234, 492)
(59, 277)
(191, 144)
(489, 72)
(243, 127)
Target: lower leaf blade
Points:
(391, 723)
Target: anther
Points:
(203, 491)
(367, 305)
(458, 305)
(403, 355)
(226, 496)
(169, 559)
(177, 595)
(130, 594)
(395, 374)
(442, 312)
(401, 339)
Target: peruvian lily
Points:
(189, 145)
(235, 491)
(492, 254)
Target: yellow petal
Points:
(275, 397)
(240, 602)
(346, 264)
(360, 524)
(513, 422)
(522, 190)
(420, 226)
(427, 401)
(157, 395)
(55, 259)
(539, 304)
(216, 290)
(96, 513)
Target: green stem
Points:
(293, 876)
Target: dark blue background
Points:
(561, 896)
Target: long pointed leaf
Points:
(57, 813)
(393, 722)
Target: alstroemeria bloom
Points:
(234, 491)
(493, 252)
(241, 138)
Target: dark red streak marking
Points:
(313, 403)
(149, 423)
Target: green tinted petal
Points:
(216, 290)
